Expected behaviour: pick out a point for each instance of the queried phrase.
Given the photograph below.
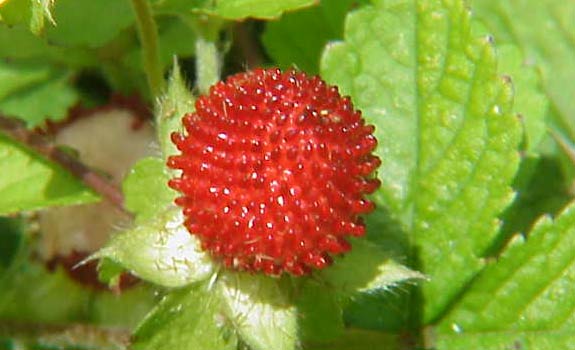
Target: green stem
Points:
(148, 33)
(208, 58)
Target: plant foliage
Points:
(471, 244)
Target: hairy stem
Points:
(17, 130)
(208, 57)
(148, 33)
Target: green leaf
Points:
(31, 293)
(176, 39)
(367, 268)
(146, 189)
(15, 77)
(288, 40)
(232, 9)
(444, 123)
(376, 283)
(49, 99)
(160, 250)
(528, 100)
(17, 42)
(259, 310)
(542, 188)
(89, 23)
(44, 302)
(320, 314)
(28, 182)
(14, 12)
(358, 339)
(126, 309)
(35, 93)
(265, 9)
(18, 45)
(525, 299)
(32, 12)
(185, 319)
(544, 30)
(384, 309)
(61, 338)
(11, 240)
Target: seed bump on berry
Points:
(275, 169)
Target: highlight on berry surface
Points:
(275, 169)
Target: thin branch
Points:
(148, 33)
(17, 130)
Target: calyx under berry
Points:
(274, 172)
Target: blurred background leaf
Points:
(289, 41)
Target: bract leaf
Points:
(161, 251)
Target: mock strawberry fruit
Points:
(274, 172)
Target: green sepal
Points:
(161, 251)
(187, 318)
(146, 189)
(110, 272)
(367, 268)
(172, 106)
(259, 309)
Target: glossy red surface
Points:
(275, 169)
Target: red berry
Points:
(275, 167)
